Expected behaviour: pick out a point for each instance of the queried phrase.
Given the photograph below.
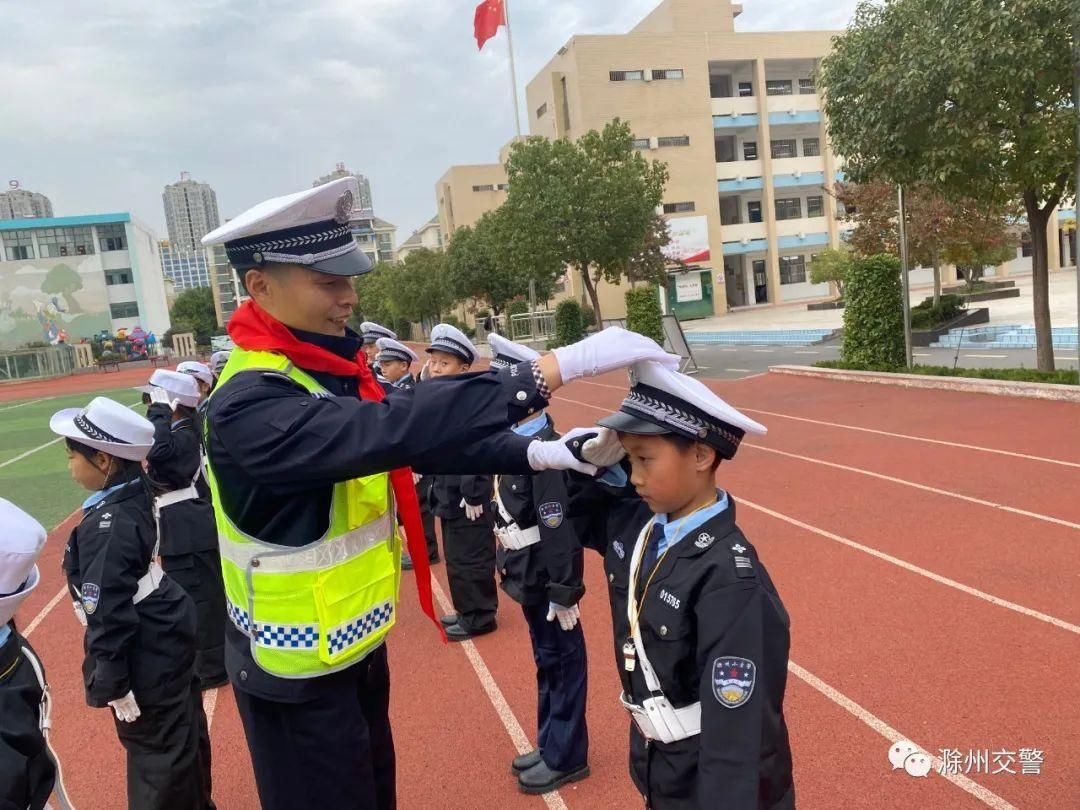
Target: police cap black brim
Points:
(353, 263)
(623, 422)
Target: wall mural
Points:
(52, 300)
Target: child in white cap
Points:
(140, 625)
(28, 766)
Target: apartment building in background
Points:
(21, 203)
(191, 212)
(428, 235)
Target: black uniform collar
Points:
(9, 652)
(129, 490)
(346, 345)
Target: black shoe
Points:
(449, 620)
(541, 779)
(525, 761)
(406, 563)
(458, 632)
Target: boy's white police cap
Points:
(199, 371)
(309, 228)
(181, 387)
(218, 361)
(450, 339)
(371, 332)
(21, 541)
(390, 349)
(507, 353)
(107, 426)
(664, 401)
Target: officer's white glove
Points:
(556, 455)
(425, 373)
(596, 445)
(416, 478)
(472, 512)
(80, 613)
(159, 396)
(568, 617)
(608, 350)
(127, 710)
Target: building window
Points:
(640, 143)
(673, 140)
(669, 73)
(806, 87)
(502, 187)
(57, 242)
(112, 237)
(746, 89)
(127, 309)
(626, 75)
(753, 211)
(792, 269)
(788, 208)
(815, 206)
(784, 149)
(678, 207)
(811, 147)
(486, 187)
(113, 277)
(749, 150)
(18, 245)
(1025, 245)
(778, 87)
(541, 111)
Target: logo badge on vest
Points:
(551, 513)
(733, 680)
(90, 595)
(704, 540)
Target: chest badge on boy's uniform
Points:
(551, 513)
(704, 540)
(90, 595)
(733, 680)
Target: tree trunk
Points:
(590, 288)
(1040, 281)
(937, 277)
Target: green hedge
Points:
(1059, 377)
(569, 324)
(927, 316)
(873, 318)
(643, 313)
(517, 308)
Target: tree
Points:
(62, 280)
(193, 311)
(968, 96)
(419, 290)
(649, 264)
(587, 204)
(939, 229)
(832, 265)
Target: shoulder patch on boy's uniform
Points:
(90, 594)
(733, 680)
(744, 564)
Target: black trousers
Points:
(562, 689)
(335, 751)
(168, 754)
(199, 573)
(423, 495)
(469, 546)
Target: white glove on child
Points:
(80, 613)
(159, 396)
(608, 350)
(416, 478)
(473, 512)
(127, 710)
(555, 455)
(568, 617)
(603, 448)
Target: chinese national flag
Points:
(489, 16)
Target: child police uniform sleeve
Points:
(476, 489)
(559, 548)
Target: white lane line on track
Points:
(23, 404)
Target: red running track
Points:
(933, 591)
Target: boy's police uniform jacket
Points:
(277, 452)
(550, 570)
(27, 771)
(146, 648)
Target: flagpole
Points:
(513, 74)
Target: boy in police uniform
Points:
(459, 501)
(306, 452)
(540, 561)
(140, 624)
(701, 635)
(370, 332)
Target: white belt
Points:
(657, 719)
(148, 583)
(513, 538)
(188, 493)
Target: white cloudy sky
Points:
(103, 103)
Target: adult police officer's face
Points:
(303, 298)
(444, 364)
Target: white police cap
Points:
(507, 353)
(21, 541)
(309, 228)
(665, 401)
(450, 339)
(200, 371)
(108, 426)
(218, 361)
(390, 349)
(371, 332)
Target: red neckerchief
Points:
(253, 329)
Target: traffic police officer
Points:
(701, 635)
(188, 535)
(299, 442)
(540, 561)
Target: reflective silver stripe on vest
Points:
(274, 559)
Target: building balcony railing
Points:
(803, 225)
(798, 165)
(747, 231)
(739, 105)
(798, 102)
(734, 169)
